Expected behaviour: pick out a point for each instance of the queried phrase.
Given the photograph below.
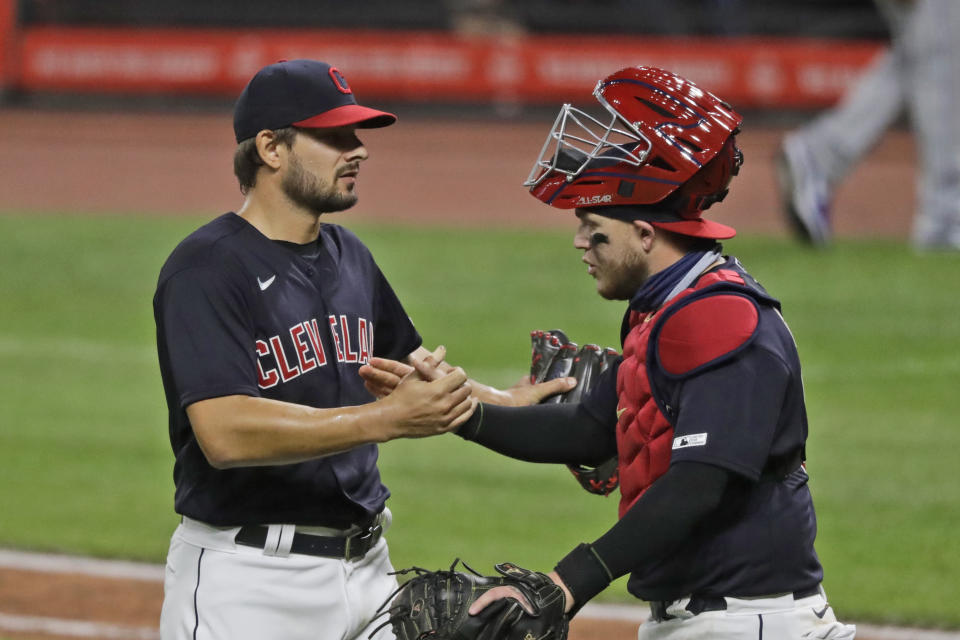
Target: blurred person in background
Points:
(918, 74)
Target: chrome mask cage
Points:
(577, 139)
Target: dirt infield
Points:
(420, 172)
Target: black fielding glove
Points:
(435, 605)
(554, 356)
(561, 367)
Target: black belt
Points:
(349, 547)
(699, 604)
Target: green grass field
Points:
(85, 465)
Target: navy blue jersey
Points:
(240, 314)
(747, 415)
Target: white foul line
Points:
(54, 563)
(75, 628)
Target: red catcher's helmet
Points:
(667, 153)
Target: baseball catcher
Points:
(436, 605)
(705, 409)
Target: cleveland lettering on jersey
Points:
(278, 363)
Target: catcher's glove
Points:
(435, 605)
(554, 356)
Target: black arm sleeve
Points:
(561, 433)
(658, 522)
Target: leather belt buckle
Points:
(360, 542)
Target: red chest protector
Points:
(699, 327)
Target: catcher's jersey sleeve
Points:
(747, 412)
(728, 416)
(207, 333)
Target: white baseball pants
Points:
(781, 618)
(215, 589)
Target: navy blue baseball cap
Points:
(301, 93)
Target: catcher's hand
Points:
(381, 377)
(436, 604)
(553, 355)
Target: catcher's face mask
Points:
(577, 139)
(659, 132)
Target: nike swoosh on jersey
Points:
(620, 412)
(822, 612)
(264, 284)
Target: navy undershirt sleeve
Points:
(208, 335)
(656, 524)
(560, 433)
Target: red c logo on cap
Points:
(339, 81)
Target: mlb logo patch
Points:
(693, 440)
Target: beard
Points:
(313, 193)
(622, 283)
